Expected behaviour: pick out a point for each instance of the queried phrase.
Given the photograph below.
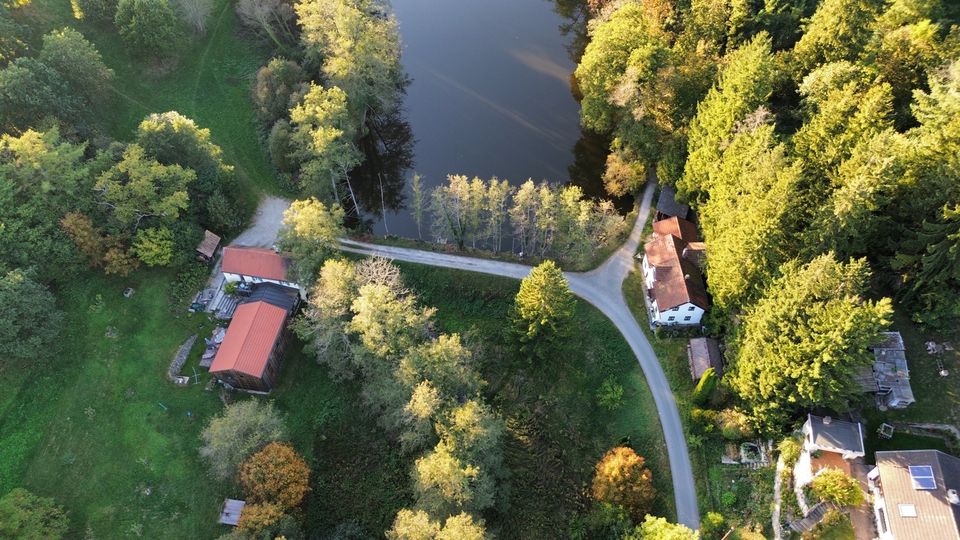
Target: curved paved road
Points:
(602, 287)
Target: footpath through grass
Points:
(209, 82)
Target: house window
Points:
(671, 318)
(882, 519)
(691, 308)
(675, 309)
(687, 318)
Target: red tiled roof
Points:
(678, 281)
(250, 339)
(257, 262)
(678, 227)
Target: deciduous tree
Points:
(310, 233)
(236, 433)
(276, 475)
(658, 528)
(78, 62)
(621, 477)
(154, 246)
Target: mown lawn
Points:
(209, 82)
(556, 428)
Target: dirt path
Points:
(266, 224)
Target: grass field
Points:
(210, 83)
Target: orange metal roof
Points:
(257, 262)
(250, 339)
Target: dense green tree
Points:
(474, 433)
(98, 11)
(276, 83)
(42, 177)
(174, 139)
(31, 91)
(149, 27)
(836, 486)
(445, 485)
(658, 528)
(323, 326)
(387, 324)
(310, 233)
(746, 219)
(605, 521)
(446, 363)
(240, 430)
(29, 319)
(78, 62)
(323, 140)
(357, 42)
(463, 526)
(13, 41)
(543, 310)
(138, 187)
(154, 246)
(838, 30)
(745, 84)
(804, 341)
(705, 387)
(930, 262)
(26, 516)
(621, 477)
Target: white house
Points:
(671, 276)
(828, 443)
(915, 495)
(258, 265)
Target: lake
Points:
(489, 94)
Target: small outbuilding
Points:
(230, 512)
(668, 206)
(704, 353)
(208, 247)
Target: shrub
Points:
(790, 451)
(27, 516)
(704, 389)
(713, 526)
(154, 246)
(834, 485)
(728, 499)
(734, 424)
(610, 394)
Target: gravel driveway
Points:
(266, 224)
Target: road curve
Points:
(601, 287)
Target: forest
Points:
(818, 144)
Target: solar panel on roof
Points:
(922, 476)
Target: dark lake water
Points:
(489, 94)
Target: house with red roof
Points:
(258, 265)
(251, 352)
(671, 274)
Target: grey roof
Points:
(890, 370)
(703, 353)
(667, 203)
(277, 295)
(935, 516)
(230, 513)
(838, 435)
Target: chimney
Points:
(952, 497)
(827, 420)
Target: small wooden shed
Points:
(208, 247)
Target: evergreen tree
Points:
(543, 311)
